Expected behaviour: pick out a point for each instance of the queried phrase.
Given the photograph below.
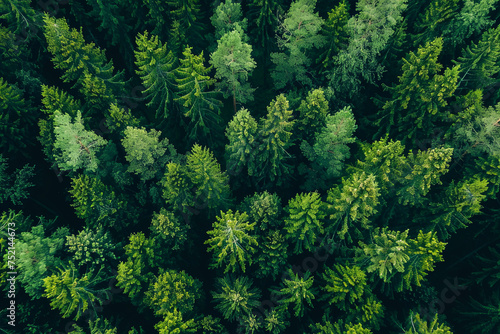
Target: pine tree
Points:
(304, 223)
(230, 241)
(488, 268)
(263, 17)
(156, 10)
(69, 292)
(312, 115)
(156, 67)
(273, 140)
(264, 209)
(174, 323)
(385, 255)
(370, 313)
(211, 325)
(275, 321)
(199, 103)
(14, 185)
(344, 285)
(81, 62)
(235, 297)
(16, 117)
(417, 100)
(227, 17)
(330, 146)
(352, 204)
(21, 18)
(36, 256)
(118, 119)
(241, 132)
(297, 291)
(482, 316)
(146, 153)
(75, 147)
(91, 247)
(417, 325)
(434, 20)
(173, 289)
(369, 33)
(273, 254)
(211, 184)
(233, 65)
(298, 34)
(189, 15)
(177, 188)
(96, 202)
(168, 230)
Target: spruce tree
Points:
(241, 132)
(344, 285)
(263, 16)
(298, 291)
(14, 184)
(235, 297)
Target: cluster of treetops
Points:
(207, 147)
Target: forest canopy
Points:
(260, 166)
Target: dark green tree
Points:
(263, 16)
(313, 111)
(264, 209)
(273, 254)
(298, 291)
(168, 230)
(235, 297)
(14, 185)
(434, 20)
(241, 132)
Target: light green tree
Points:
(241, 132)
(344, 285)
(174, 323)
(233, 65)
(227, 17)
(235, 297)
(230, 241)
(297, 291)
(91, 247)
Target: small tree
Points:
(235, 297)
(344, 285)
(297, 291)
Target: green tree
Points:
(199, 103)
(434, 20)
(91, 247)
(14, 185)
(146, 153)
(273, 139)
(20, 17)
(227, 17)
(37, 256)
(298, 34)
(230, 241)
(305, 221)
(69, 292)
(416, 102)
(168, 230)
(189, 15)
(75, 147)
(264, 209)
(479, 62)
(330, 149)
(275, 321)
(16, 117)
(417, 325)
(173, 323)
(177, 188)
(263, 17)
(81, 62)
(211, 325)
(369, 313)
(312, 115)
(273, 254)
(344, 285)
(241, 132)
(297, 291)
(95, 202)
(235, 297)
(369, 33)
(156, 68)
(351, 205)
(336, 35)
(482, 316)
(173, 289)
(233, 65)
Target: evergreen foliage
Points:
(235, 297)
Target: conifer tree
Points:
(69, 292)
(344, 285)
(81, 62)
(434, 20)
(189, 15)
(173, 289)
(174, 323)
(233, 65)
(417, 325)
(20, 16)
(210, 182)
(14, 185)
(241, 132)
(275, 321)
(274, 135)
(168, 230)
(369, 33)
(177, 188)
(482, 316)
(227, 17)
(146, 153)
(263, 17)
(304, 222)
(335, 32)
(273, 254)
(156, 66)
(231, 242)
(298, 33)
(91, 247)
(156, 10)
(96, 202)
(264, 209)
(16, 117)
(312, 115)
(199, 103)
(75, 147)
(235, 297)
(37, 256)
(416, 102)
(297, 290)
(351, 205)
(369, 313)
